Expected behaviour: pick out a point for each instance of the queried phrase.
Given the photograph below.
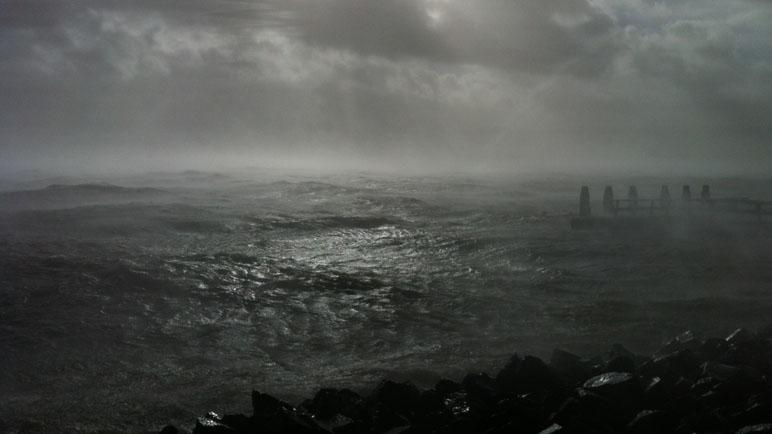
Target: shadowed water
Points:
(127, 308)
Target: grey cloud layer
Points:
(489, 80)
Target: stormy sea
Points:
(127, 303)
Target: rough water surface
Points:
(126, 308)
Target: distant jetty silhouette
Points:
(646, 212)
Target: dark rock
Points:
(681, 363)
(753, 353)
(570, 367)
(507, 378)
(589, 409)
(336, 423)
(400, 397)
(744, 382)
(650, 422)
(275, 416)
(740, 336)
(712, 349)
(719, 371)
(621, 364)
(622, 387)
(685, 341)
(703, 422)
(457, 404)
(482, 387)
(656, 392)
(431, 401)
(238, 422)
(431, 411)
(618, 350)
(683, 405)
(704, 384)
(384, 418)
(710, 399)
(266, 405)
(330, 402)
(527, 375)
(356, 427)
(527, 417)
(211, 424)
(460, 426)
(753, 413)
(446, 386)
(553, 429)
(169, 429)
(681, 387)
(765, 332)
(764, 428)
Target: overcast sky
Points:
(440, 83)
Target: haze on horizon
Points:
(429, 84)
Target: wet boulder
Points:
(402, 398)
(650, 422)
(588, 409)
(507, 378)
(740, 336)
(457, 404)
(764, 428)
(703, 422)
(271, 415)
(656, 392)
(685, 341)
(681, 363)
(527, 375)
(445, 386)
(621, 364)
(329, 402)
(765, 332)
(683, 405)
(618, 349)
(720, 371)
(212, 424)
(682, 386)
(712, 349)
(526, 415)
(553, 429)
(383, 418)
(569, 367)
(238, 422)
(482, 387)
(704, 384)
(622, 387)
(745, 381)
(753, 412)
(265, 405)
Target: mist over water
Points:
(413, 170)
(131, 302)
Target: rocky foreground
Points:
(688, 386)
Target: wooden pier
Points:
(641, 212)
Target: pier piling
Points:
(705, 193)
(664, 198)
(686, 193)
(584, 201)
(608, 200)
(632, 197)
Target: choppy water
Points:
(126, 310)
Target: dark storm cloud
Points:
(530, 36)
(436, 79)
